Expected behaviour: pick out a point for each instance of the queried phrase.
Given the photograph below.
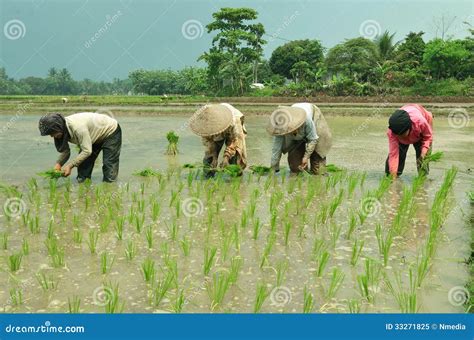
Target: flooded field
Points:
(347, 242)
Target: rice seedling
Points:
(406, 299)
(147, 172)
(260, 169)
(321, 263)
(430, 157)
(261, 295)
(352, 225)
(34, 225)
(333, 168)
(334, 233)
(422, 266)
(92, 240)
(14, 262)
(47, 282)
(173, 140)
(4, 241)
(354, 306)
(106, 262)
(257, 225)
(384, 243)
(383, 187)
(119, 223)
(217, 288)
(173, 230)
(233, 170)
(51, 174)
(352, 184)
(356, 251)
(74, 304)
(130, 250)
(25, 247)
(268, 248)
(209, 255)
(161, 287)
(148, 269)
(336, 201)
(235, 265)
(155, 211)
(243, 219)
(178, 301)
(139, 222)
(149, 237)
(16, 297)
(368, 282)
(337, 278)
(287, 231)
(77, 236)
(114, 304)
(185, 244)
(308, 301)
(57, 258)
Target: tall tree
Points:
(285, 57)
(236, 41)
(409, 54)
(386, 46)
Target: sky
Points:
(106, 39)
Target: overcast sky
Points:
(104, 39)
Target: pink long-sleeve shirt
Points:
(421, 130)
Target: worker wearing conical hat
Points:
(219, 124)
(301, 131)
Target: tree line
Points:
(234, 61)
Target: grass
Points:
(261, 295)
(173, 140)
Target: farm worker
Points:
(412, 124)
(301, 131)
(217, 124)
(92, 132)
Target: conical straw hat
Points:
(211, 120)
(285, 120)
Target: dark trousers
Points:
(402, 155)
(208, 172)
(110, 148)
(295, 157)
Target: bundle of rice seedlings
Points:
(147, 172)
(173, 139)
(260, 169)
(333, 168)
(51, 174)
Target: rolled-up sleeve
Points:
(277, 149)
(85, 143)
(311, 137)
(393, 151)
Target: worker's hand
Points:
(304, 164)
(275, 168)
(67, 170)
(57, 167)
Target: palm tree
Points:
(385, 46)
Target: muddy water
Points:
(360, 146)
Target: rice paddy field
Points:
(351, 241)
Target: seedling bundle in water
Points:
(260, 169)
(173, 139)
(147, 172)
(51, 174)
